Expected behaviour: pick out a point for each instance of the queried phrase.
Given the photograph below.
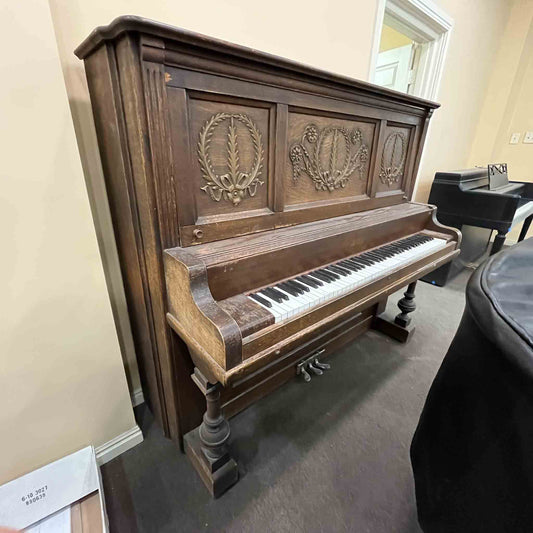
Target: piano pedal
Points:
(316, 371)
(304, 373)
(312, 364)
(322, 366)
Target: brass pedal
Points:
(311, 364)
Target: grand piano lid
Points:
(465, 175)
(499, 296)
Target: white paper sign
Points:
(40, 493)
(57, 523)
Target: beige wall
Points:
(337, 36)
(319, 34)
(62, 384)
(312, 34)
(475, 40)
(508, 102)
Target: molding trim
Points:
(137, 397)
(124, 442)
(424, 22)
(427, 24)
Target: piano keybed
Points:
(293, 296)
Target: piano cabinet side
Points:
(435, 225)
(114, 81)
(213, 337)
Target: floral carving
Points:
(343, 150)
(235, 184)
(393, 159)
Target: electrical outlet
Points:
(515, 138)
(528, 137)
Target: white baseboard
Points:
(137, 397)
(118, 445)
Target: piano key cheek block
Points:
(262, 213)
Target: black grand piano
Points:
(478, 201)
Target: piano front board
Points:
(250, 156)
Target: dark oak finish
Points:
(228, 170)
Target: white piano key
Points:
(385, 262)
(271, 310)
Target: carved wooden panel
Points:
(230, 157)
(327, 158)
(394, 160)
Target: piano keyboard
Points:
(294, 296)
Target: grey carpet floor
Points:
(328, 456)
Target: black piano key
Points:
(260, 299)
(320, 276)
(402, 247)
(383, 253)
(333, 275)
(274, 295)
(279, 293)
(347, 271)
(375, 255)
(266, 293)
(287, 288)
(356, 263)
(300, 286)
(364, 260)
(295, 287)
(311, 282)
(395, 248)
(359, 263)
(388, 251)
(349, 265)
(339, 270)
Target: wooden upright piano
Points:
(262, 213)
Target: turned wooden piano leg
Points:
(206, 446)
(399, 328)
(497, 245)
(407, 305)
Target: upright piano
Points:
(262, 213)
(479, 201)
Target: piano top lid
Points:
(135, 24)
(469, 174)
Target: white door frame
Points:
(424, 22)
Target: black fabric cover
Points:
(472, 452)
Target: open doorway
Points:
(395, 66)
(411, 38)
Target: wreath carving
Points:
(234, 185)
(344, 151)
(393, 158)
